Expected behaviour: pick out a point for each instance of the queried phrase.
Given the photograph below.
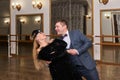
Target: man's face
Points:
(59, 28)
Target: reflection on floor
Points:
(111, 54)
(22, 68)
(109, 71)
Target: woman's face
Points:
(40, 37)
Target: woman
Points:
(53, 53)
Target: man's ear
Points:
(64, 26)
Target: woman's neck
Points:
(43, 44)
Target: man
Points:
(77, 47)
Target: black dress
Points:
(60, 68)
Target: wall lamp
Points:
(22, 20)
(7, 21)
(107, 15)
(38, 19)
(88, 16)
(17, 6)
(36, 4)
(104, 1)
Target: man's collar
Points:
(66, 33)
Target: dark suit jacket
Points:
(80, 42)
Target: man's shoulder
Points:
(75, 31)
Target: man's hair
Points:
(64, 22)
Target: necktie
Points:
(62, 37)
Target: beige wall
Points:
(112, 4)
(28, 9)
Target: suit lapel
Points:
(71, 39)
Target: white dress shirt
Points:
(67, 40)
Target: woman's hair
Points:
(34, 33)
(39, 64)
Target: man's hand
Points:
(72, 51)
